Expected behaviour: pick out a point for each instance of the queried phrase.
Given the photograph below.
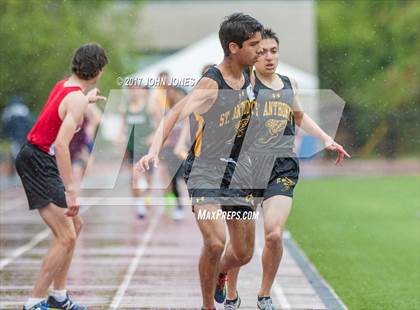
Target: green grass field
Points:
(363, 236)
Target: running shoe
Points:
(39, 306)
(265, 303)
(233, 304)
(67, 304)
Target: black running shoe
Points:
(67, 304)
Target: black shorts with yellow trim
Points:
(221, 182)
(283, 177)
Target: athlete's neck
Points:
(85, 85)
(267, 78)
(231, 68)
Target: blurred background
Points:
(358, 224)
(364, 51)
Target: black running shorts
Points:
(40, 177)
(219, 181)
(282, 179)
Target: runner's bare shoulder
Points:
(205, 93)
(75, 102)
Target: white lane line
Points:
(276, 289)
(11, 205)
(136, 260)
(24, 248)
(29, 245)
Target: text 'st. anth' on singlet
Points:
(274, 130)
(219, 132)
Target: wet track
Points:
(122, 262)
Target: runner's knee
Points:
(215, 246)
(274, 238)
(244, 256)
(67, 239)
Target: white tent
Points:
(189, 62)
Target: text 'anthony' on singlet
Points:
(218, 132)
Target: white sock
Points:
(32, 302)
(140, 205)
(59, 295)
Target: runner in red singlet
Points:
(44, 167)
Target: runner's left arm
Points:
(73, 108)
(305, 122)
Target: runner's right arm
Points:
(199, 100)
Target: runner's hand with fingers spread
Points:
(333, 146)
(93, 96)
(146, 161)
(72, 205)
